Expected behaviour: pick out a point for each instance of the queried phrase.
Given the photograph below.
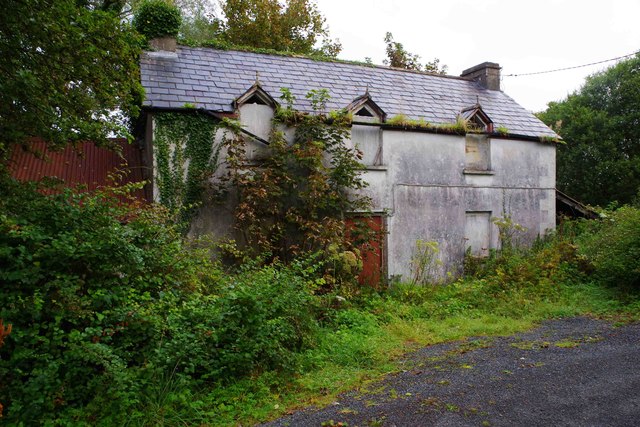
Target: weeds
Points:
(425, 262)
(171, 339)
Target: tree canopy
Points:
(600, 162)
(292, 26)
(69, 71)
(398, 57)
(289, 26)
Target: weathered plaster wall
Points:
(422, 185)
(418, 179)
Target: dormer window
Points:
(477, 119)
(255, 95)
(256, 99)
(256, 109)
(364, 109)
(364, 112)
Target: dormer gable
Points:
(364, 109)
(477, 118)
(255, 95)
(255, 109)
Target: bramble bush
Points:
(106, 299)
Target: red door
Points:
(371, 245)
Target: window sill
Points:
(375, 167)
(477, 172)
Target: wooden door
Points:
(372, 250)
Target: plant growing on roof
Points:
(157, 18)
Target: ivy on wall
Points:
(186, 157)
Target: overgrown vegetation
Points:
(294, 202)
(186, 156)
(460, 127)
(157, 18)
(109, 306)
(118, 319)
(292, 26)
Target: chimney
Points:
(487, 74)
(163, 44)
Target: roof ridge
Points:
(327, 60)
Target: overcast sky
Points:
(522, 36)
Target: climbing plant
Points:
(186, 157)
(294, 201)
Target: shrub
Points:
(78, 271)
(259, 321)
(109, 304)
(157, 18)
(612, 246)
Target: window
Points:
(477, 232)
(368, 139)
(477, 153)
(364, 109)
(364, 112)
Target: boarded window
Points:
(477, 153)
(368, 139)
(477, 233)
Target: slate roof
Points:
(212, 79)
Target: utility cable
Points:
(571, 68)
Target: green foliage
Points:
(199, 20)
(600, 162)
(509, 232)
(79, 273)
(612, 247)
(424, 262)
(258, 319)
(460, 127)
(116, 319)
(502, 130)
(67, 66)
(398, 57)
(186, 157)
(289, 26)
(157, 18)
(114, 315)
(295, 202)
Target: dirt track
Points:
(571, 372)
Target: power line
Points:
(571, 68)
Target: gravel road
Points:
(569, 372)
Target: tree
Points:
(290, 26)
(67, 67)
(398, 57)
(600, 162)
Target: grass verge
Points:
(369, 339)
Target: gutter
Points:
(386, 126)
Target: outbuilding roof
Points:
(212, 79)
(86, 164)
